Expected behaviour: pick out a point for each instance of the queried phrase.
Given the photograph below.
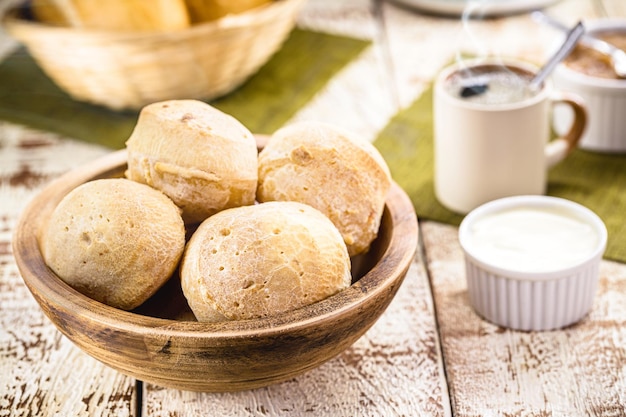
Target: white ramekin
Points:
(605, 100)
(525, 300)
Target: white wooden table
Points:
(429, 354)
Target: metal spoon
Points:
(616, 55)
(568, 45)
(478, 85)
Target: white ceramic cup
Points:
(605, 99)
(488, 151)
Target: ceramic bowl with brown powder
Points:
(589, 74)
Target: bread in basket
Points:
(129, 69)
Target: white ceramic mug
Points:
(489, 151)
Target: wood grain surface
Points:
(42, 372)
(428, 355)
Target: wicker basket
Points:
(127, 70)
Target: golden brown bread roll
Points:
(124, 15)
(114, 240)
(200, 157)
(207, 10)
(342, 175)
(261, 260)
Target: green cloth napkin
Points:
(264, 103)
(597, 181)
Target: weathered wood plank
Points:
(41, 372)
(577, 371)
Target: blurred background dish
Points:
(475, 8)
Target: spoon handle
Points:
(570, 42)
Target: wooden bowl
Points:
(160, 342)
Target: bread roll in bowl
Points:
(114, 240)
(203, 159)
(261, 260)
(338, 173)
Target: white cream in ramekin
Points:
(532, 261)
(604, 98)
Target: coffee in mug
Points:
(490, 84)
(492, 132)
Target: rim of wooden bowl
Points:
(42, 282)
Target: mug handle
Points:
(558, 149)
